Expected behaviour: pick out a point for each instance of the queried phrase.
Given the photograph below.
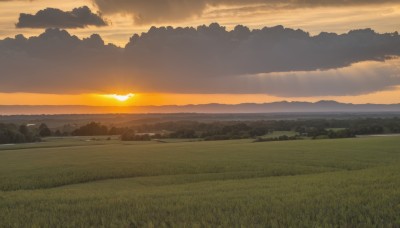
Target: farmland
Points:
(79, 182)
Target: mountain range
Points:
(275, 107)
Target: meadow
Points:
(80, 182)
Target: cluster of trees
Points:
(313, 128)
(97, 129)
(280, 138)
(361, 126)
(314, 133)
(91, 129)
(179, 129)
(11, 133)
(334, 134)
(223, 130)
(321, 133)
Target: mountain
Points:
(275, 107)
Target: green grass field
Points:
(307, 183)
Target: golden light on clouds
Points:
(380, 17)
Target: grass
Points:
(307, 183)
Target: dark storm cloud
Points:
(211, 51)
(152, 11)
(56, 61)
(56, 18)
(207, 59)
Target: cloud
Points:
(211, 51)
(146, 12)
(206, 59)
(161, 11)
(55, 18)
(360, 78)
(56, 61)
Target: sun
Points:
(122, 98)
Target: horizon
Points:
(322, 106)
(214, 103)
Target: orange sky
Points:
(384, 97)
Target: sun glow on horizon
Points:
(122, 98)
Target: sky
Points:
(163, 52)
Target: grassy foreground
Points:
(340, 183)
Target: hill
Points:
(275, 107)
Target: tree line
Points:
(220, 130)
(312, 128)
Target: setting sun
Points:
(122, 98)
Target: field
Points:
(80, 182)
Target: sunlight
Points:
(122, 98)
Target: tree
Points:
(23, 129)
(44, 131)
(91, 129)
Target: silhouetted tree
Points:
(91, 129)
(44, 131)
(10, 133)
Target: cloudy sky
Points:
(198, 51)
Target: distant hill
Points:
(275, 107)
